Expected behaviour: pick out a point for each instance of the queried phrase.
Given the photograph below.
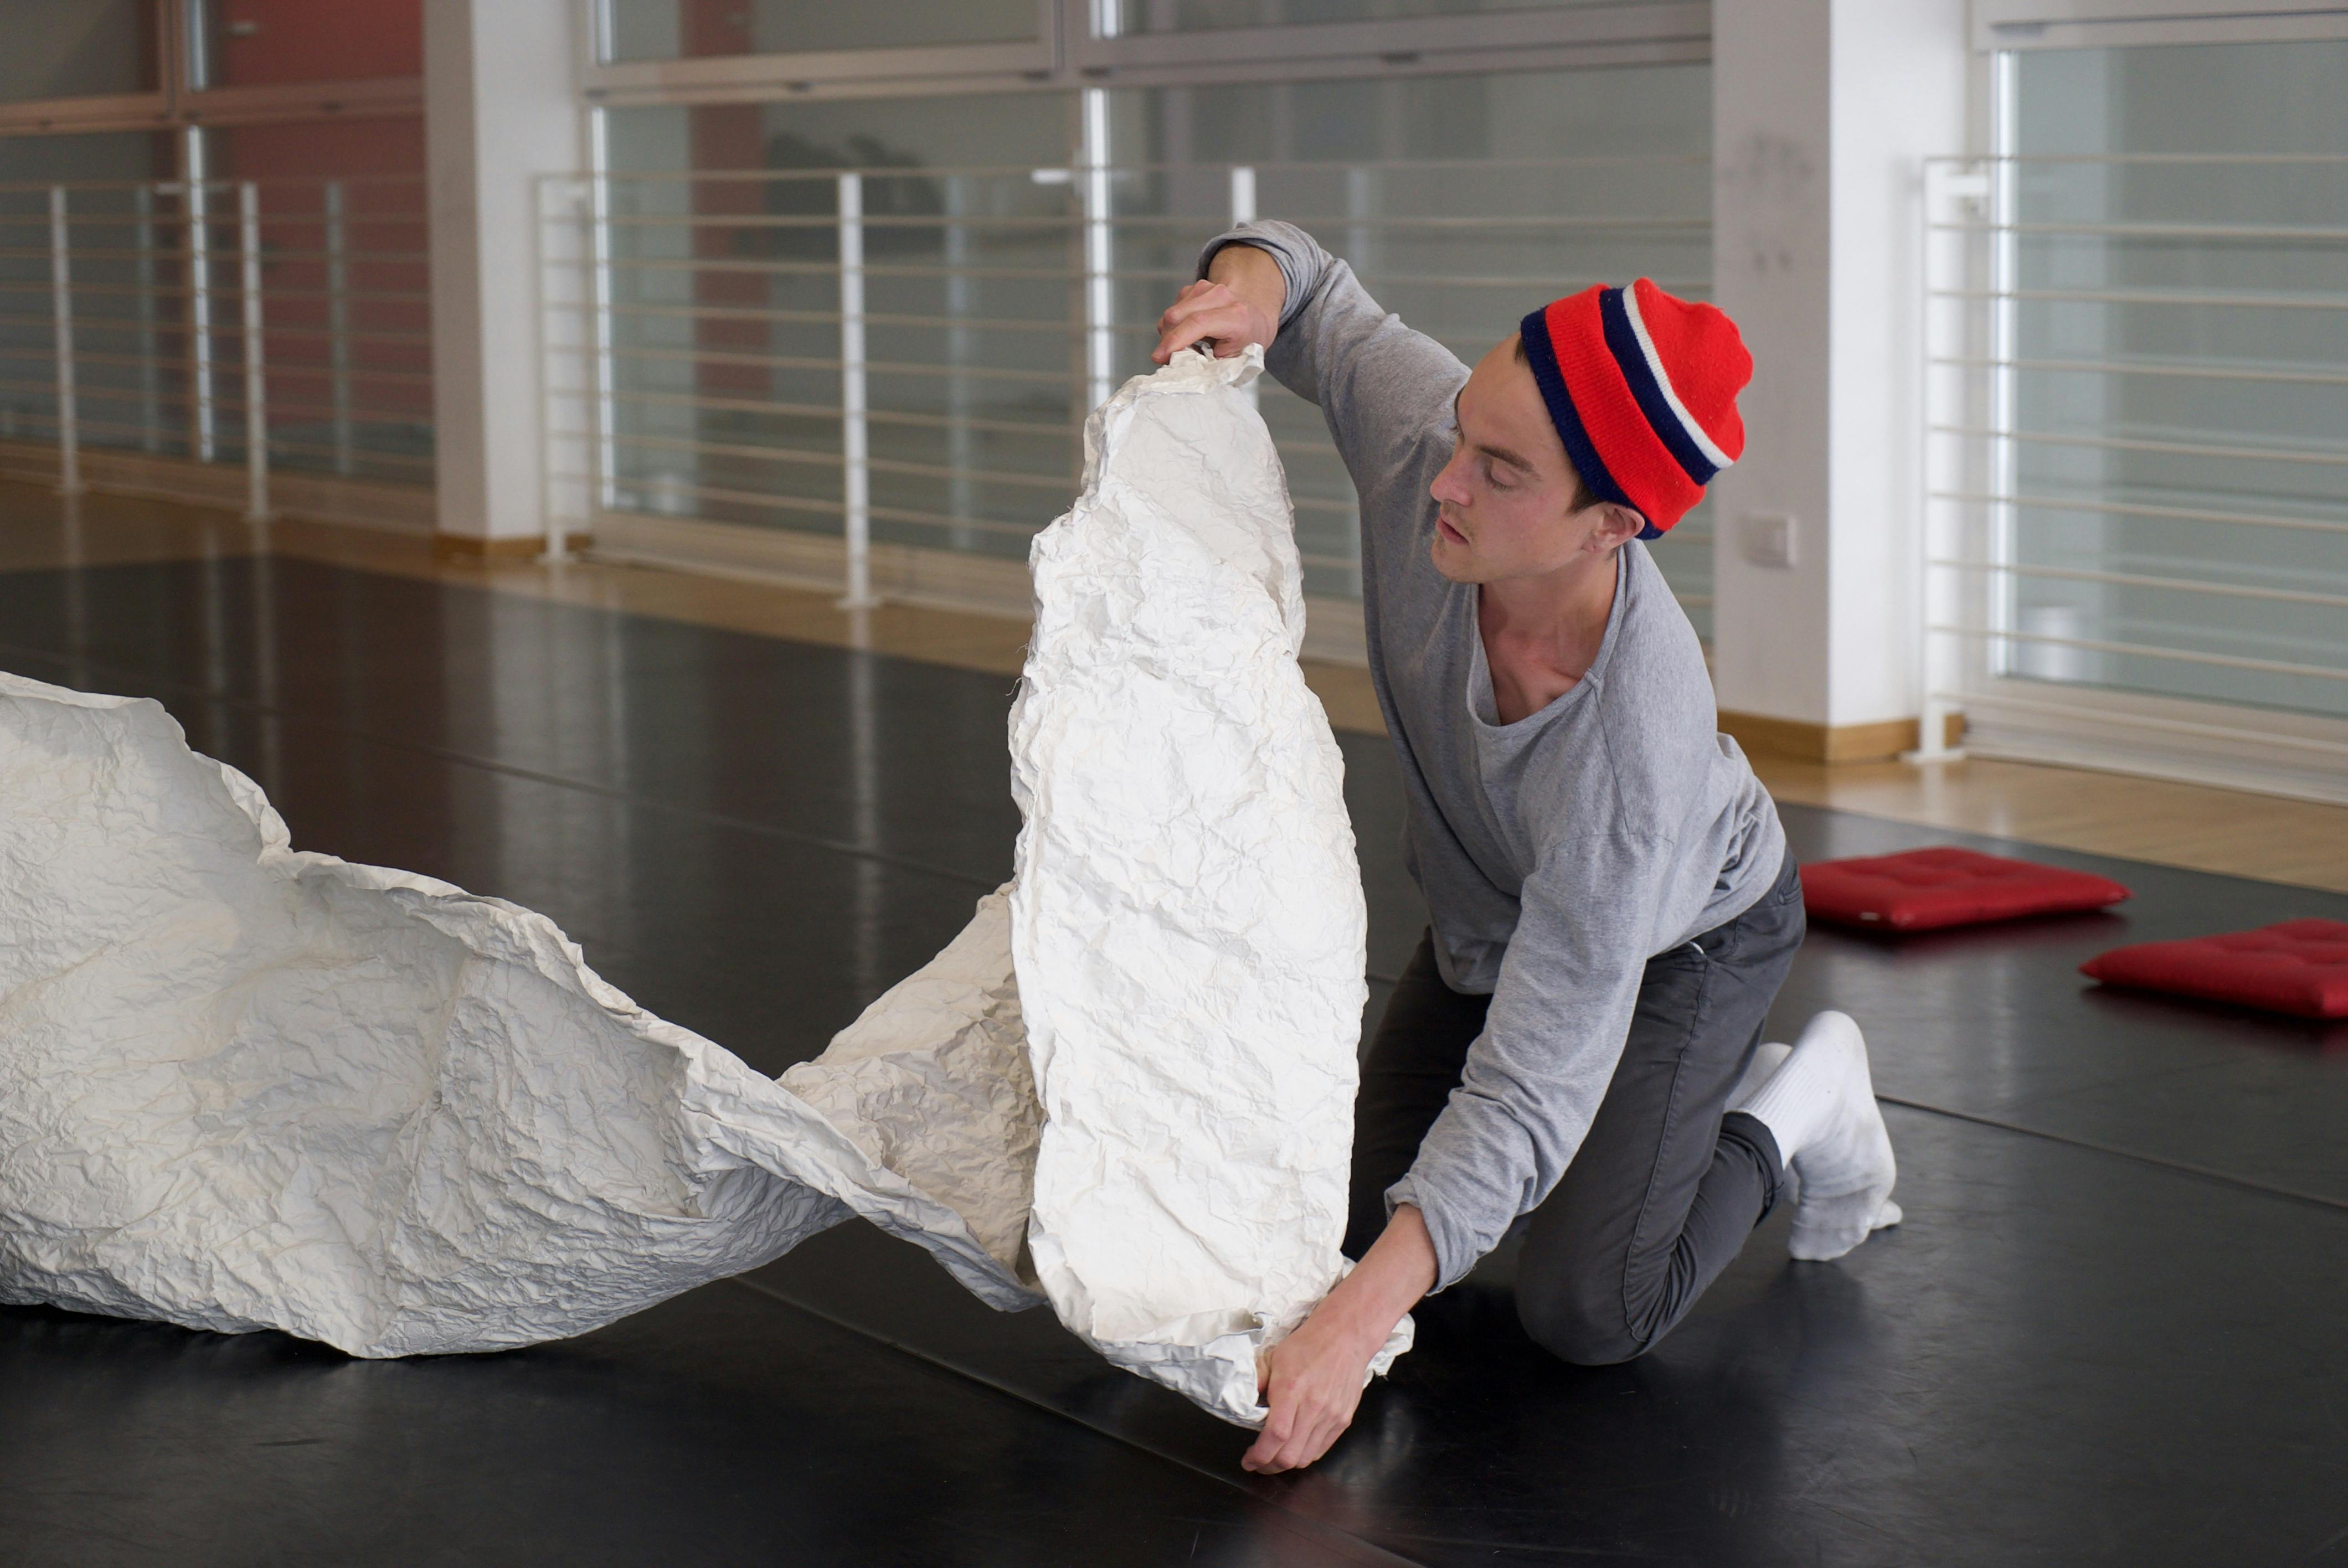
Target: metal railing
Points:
(270, 324)
(906, 357)
(2136, 452)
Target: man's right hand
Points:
(1238, 304)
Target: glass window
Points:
(85, 49)
(101, 156)
(979, 289)
(257, 43)
(158, 304)
(127, 308)
(725, 331)
(696, 29)
(345, 281)
(1128, 18)
(2181, 396)
(1422, 184)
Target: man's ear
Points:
(1619, 526)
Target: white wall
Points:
(1822, 111)
(501, 106)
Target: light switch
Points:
(1768, 539)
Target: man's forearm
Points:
(1249, 273)
(1392, 1277)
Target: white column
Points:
(1823, 111)
(501, 107)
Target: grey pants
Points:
(1664, 1189)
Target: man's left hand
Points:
(1313, 1381)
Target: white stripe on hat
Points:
(1704, 443)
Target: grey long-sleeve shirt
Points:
(1558, 854)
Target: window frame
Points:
(737, 77)
(2000, 25)
(1067, 55)
(2226, 744)
(1590, 35)
(177, 103)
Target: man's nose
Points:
(1447, 487)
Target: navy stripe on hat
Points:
(1622, 343)
(1540, 354)
(1533, 332)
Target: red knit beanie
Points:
(1643, 388)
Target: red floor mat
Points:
(1926, 890)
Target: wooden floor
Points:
(2299, 843)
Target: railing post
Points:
(256, 411)
(605, 375)
(1360, 198)
(1937, 701)
(338, 324)
(546, 231)
(2004, 264)
(197, 197)
(61, 287)
(151, 385)
(1243, 211)
(961, 455)
(856, 472)
(1100, 288)
(1243, 193)
(599, 483)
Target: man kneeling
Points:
(1578, 1039)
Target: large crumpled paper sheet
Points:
(1187, 913)
(245, 1087)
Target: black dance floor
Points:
(2113, 1329)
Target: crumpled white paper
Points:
(1186, 916)
(244, 1086)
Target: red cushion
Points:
(1924, 889)
(2299, 967)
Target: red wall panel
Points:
(269, 41)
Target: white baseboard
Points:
(292, 493)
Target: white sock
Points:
(1819, 1105)
(1794, 1101)
(1767, 1058)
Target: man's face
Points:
(1506, 498)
